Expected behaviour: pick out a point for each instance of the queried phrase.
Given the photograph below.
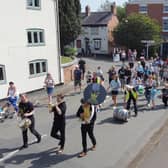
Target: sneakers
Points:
(82, 154)
(60, 151)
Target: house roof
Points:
(96, 18)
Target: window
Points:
(37, 68)
(165, 24)
(165, 9)
(97, 44)
(35, 37)
(33, 4)
(143, 9)
(94, 30)
(2, 74)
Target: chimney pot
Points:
(114, 9)
(87, 10)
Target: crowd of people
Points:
(131, 79)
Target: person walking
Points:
(82, 66)
(87, 114)
(77, 78)
(115, 86)
(131, 95)
(59, 110)
(26, 110)
(49, 84)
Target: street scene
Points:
(84, 84)
(117, 142)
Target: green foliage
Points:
(65, 59)
(135, 28)
(69, 51)
(70, 21)
(121, 13)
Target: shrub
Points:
(70, 51)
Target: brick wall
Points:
(67, 70)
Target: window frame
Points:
(34, 63)
(165, 6)
(99, 43)
(143, 11)
(32, 32)
(163, 19)
(33, 5)
(4, 74)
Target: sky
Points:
(95, 4)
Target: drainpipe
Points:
(56, 11)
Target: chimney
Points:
(114, 9)
(87, 10)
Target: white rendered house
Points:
(97, 31)
(29, 44)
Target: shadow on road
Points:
(41, 160)
(110, 120)
(6, 150)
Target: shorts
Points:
(77, 82)
(114, 92)
(50, 90)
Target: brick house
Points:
(97, 29)
(156, 9)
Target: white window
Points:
(94, 30)
(34, 4)
(143, 9)
(165, 24)
(97, 44)
(2, 74)
(35, 37)
(38, 67)
(165, 9)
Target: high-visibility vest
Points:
(134, 94)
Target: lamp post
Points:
(148, 43)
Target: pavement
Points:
(118, 143)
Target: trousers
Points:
(87, 129)
(32, 130)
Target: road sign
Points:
(148, 41)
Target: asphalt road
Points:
(117, 143)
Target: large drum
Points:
(95, 93)
(121, 114)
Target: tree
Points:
(135, 28)
(70, 22)
(121, 13)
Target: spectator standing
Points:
(49, 84)
(13, 95)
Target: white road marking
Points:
(9, 155)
